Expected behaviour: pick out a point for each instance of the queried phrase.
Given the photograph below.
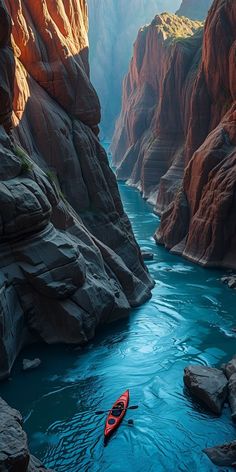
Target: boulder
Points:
(224, 455)
(230, 367)
(207, 384)
(31, 364)
(14, 452)
(232, 395)
(232, 282)
(147, 256)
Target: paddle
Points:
(133, 407)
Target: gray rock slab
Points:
(224, 455)
(207, 384)
(29, 364)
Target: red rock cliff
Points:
(200, 224)
(152, 128)
(178, 118)
(61, 274)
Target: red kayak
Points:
(116, 415)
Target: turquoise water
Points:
(188, 320)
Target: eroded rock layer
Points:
(151, 131)
(113, 29)
(175, 138)
(69, 260)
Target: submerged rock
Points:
(224, 455)
(147, 256)
(14, 452)
(31, 364)
(230, 281)
(207, 384)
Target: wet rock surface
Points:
(207, 384)
(29, 364)
(230, 368)
(147, 256)
(224, 455)
(229, 280)
(14, 452)
(214, 387)
(232, 395)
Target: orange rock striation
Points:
(176, 135)
(69, 257)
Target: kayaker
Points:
(117, 410)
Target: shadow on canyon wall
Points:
(69, 257)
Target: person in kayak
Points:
(117, 410)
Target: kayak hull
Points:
(113, 422)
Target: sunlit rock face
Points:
(113, 29)
(150, 133)
(69, 260)
(194, 9)
(178, 125)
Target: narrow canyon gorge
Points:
(175, 137)
(75, 290)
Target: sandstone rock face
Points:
(150, 133)
(176, 135)
(14, 452)
(207, 384)
(61, 273)
(194, 10)
(113, 29)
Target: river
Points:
(188, 320)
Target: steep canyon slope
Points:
(113, 29)
(177, 125)
(69, 260)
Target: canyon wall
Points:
(14, 451)
(196, 10)
(175, 137)
(69, 259)
(113, 29)
(150, 133)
